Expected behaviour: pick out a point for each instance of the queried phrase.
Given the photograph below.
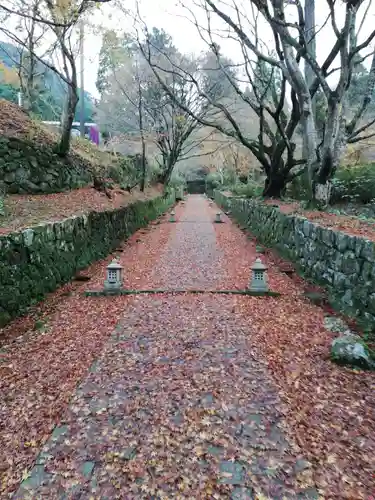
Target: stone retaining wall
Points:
(343, 264)
(27, 167)
(37, 260)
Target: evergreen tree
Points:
(110, 43)
(215, 67)
(358, 87)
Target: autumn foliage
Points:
(192, 395)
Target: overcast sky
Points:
(168, 14)
(160, 13)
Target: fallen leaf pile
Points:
(191, 395)
(346, 223)
(28, 210)
(329, 409)
(45, 354)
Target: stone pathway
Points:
(180, 404)
(192, 260)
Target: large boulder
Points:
(351, 350)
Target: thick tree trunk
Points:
(167, 173)
(333, 143)
(166, 177)
(67, 121)
(310, 143)
(274, 186)
(322, 193)
(307, 116)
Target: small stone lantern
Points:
(114, 276)
(218, 217)
(172, 217)
(258, 280)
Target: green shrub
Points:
(249, 190)
(131, 167)
(213, 180)
(227, 178)
(116, 173)
(230, 176)
(354, 184)
(127, 170)
(298, 188)
(153, 173)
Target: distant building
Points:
(75, 132)
(91, 130)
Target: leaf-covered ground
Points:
(348, 224)
(44, 355)
(190, 396)
(330, 410)
(23, 211)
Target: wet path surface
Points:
(179, 404)
(192, 259)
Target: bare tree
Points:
(310, 38)
(175, 127)
(22, 9)
(30, 70)
(273, 144)
(174, 131)
(28, 67)
(67, 55)
(127, 83)
(139, 103)
(56, 20)
(322, 159)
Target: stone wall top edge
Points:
(50, 224)
(301, 219)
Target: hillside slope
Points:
(35, 178)
(28, 163)
(52, 89)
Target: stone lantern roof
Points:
(258, 265)
(114, 265)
